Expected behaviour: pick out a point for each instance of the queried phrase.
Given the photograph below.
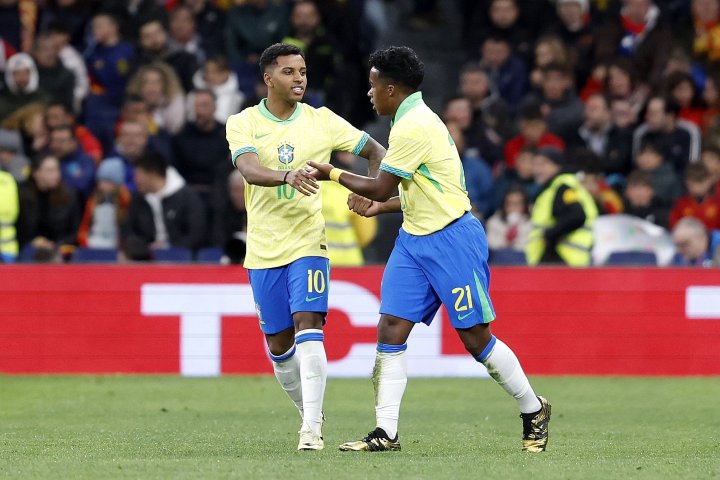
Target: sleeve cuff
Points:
(361, 144)
(240, 151)
(396, 171)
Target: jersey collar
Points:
(409, 103)
(267, 114)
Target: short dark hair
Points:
(62, 128)
(651, 146)
(696, 172)
(531, 111)
(474, 67)
(205, 91)
(710, 148)
(400, 64)
(64, 106)
(638, 177)
(556, 67)
(56, 26)
(271, 54)
(152, 163)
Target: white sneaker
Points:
(310, 441)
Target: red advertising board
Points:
(198, 320)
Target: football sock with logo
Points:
(504, 367)
(389, 380)
(313, 375)
(287, 371)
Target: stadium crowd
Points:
(112, 116)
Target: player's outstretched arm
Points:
(379, 188)
(256, 174)
(370, 208)
(374, 152)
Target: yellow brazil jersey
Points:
(283, 224)
(422, 153)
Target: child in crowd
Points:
(700, 201)
(665, 183)
(640, 199)
(510, 226)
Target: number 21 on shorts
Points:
(463, 301)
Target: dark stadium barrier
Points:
(200, 320)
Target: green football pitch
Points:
(245, 427)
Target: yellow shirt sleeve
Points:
(239, 136)
(404, 156)
(345, 137)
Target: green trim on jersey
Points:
(240, 151)
(396, 171)
(425, 172)
(361, 144)
(267, 114)
(409, 103)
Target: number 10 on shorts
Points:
(463, 295)
(316, 281)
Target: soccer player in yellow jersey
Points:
(286, 247)
(440, 256)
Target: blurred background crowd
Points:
(112, 138)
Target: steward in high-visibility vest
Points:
(562, 216)
(9, 209)
(347, 232)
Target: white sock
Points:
(504, 367)
(389, 379)
(287, 371)
(313, 375)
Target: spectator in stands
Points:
(640, 199)
(478, 174)
(575, 30)
(640, 35)
(164, 212)
(476, 136)
(699, 35)
(12, 159)
(184, 35)
(504, 21)
(680, 86)
(160, 88)
(131, 145)
(217, 77)
(73, 16)
(533, 134)
(560, 105)
(700, 201)
(59, 114)
(107, 208)
(205, 134)
(135, 109)
(508, 72)
(78, 168)
(593, 179)
(21, 85)
(131, 14)
(489, 110)
(623, 114)
(72, 60)
(155, 48)
(49, 212)
(602, 137)
(696, 247)
(9, 208)
(665, 182)
(562, 216)
(56, 80)
(549, 50)
(521, 175)
(620, 82)
(710, 157)
(510, 226)
(210, 25)
(230, 217)
(678, 140)
(252, 25)
(711, 119)
(108, 60)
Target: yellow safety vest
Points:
(9, 209)
(573, 248)
(346, 232)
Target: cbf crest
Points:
(286, 153)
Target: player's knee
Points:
(308, 320)
(279, 343)
(393, 330)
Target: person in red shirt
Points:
(699, 201)
(57, 114)
(533, 134)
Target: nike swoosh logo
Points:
(310, 299)
(261, 135)
(465, 315)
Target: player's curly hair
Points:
(400, 64)
(271, 53)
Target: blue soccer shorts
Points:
(446, 267)
(301, 286)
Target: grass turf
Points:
(245, 427)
